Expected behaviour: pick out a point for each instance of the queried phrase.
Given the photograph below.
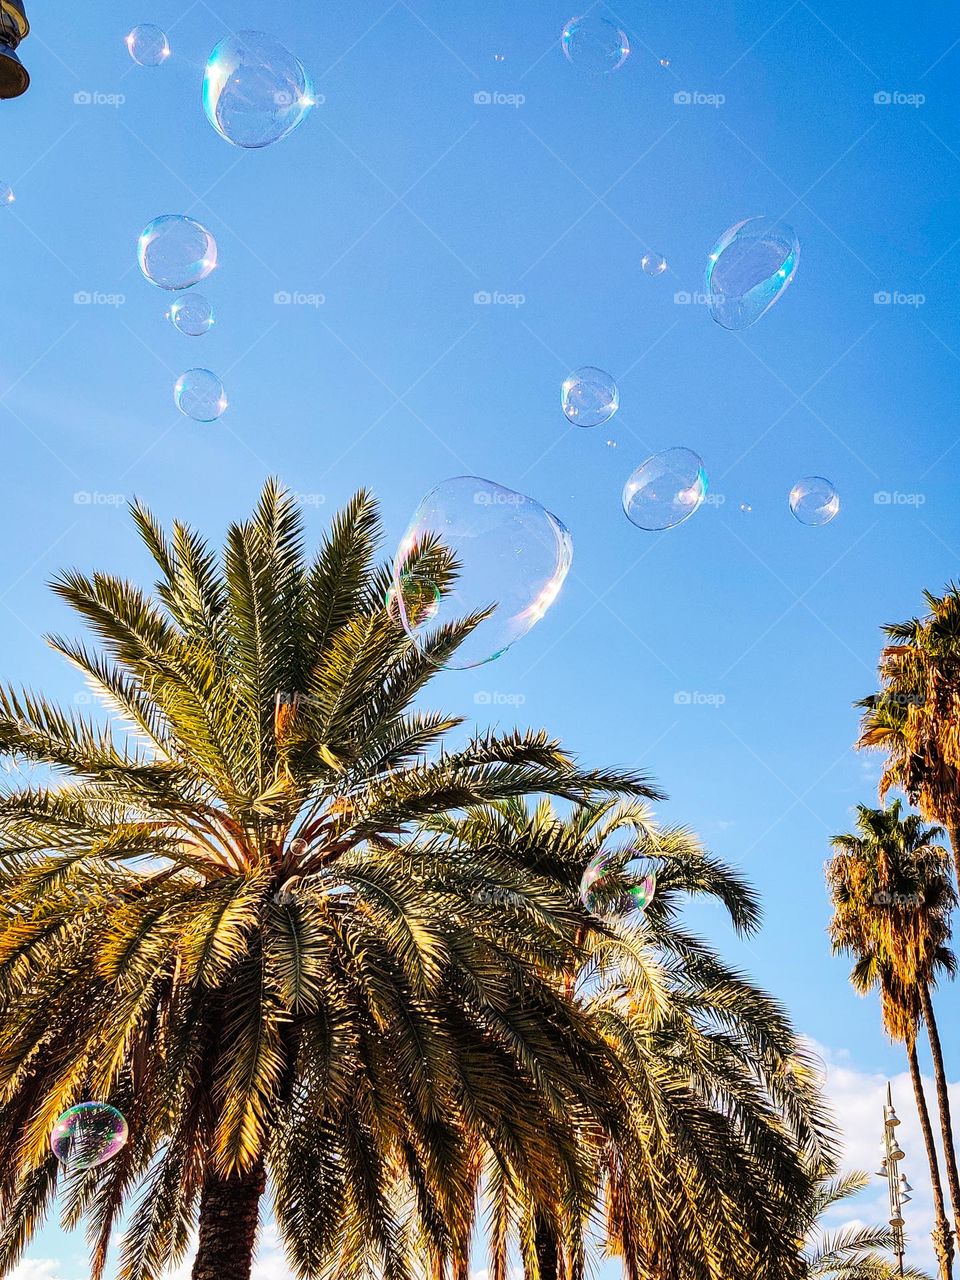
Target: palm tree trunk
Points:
(953, 831)
(545, 1245)
(229, 1215)
(943, 1101)
(942, 1235)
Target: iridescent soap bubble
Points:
(610, 888)
(87, 1135)
(814, 501)
(199, 394)
(666, 490)
(595, 44)
(192, 314)
(175, 251)
(664, 62)
(475, 549)
(750, 267)
(653, 264)
(589, 397)
(147, 45)
(6, 193)
(255, 91)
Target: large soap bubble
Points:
(666, 490)
(750, 268)
(814, 501)
(255, 91)
(475, 547)
(175, 251)
(595, 44)
(199, 394)
(89, 1134)
(589, 397)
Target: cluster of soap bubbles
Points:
(88, 1135)
(476, 555)
(175, 253)
(254, 90)
(254, 93)
(609, 889)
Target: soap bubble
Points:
(664, 62)
(176, 252)
(6, 193)
(499, 57)
(255, 91)
(589, 397)
(147, 45)
(609, 888)
(595, 44)
(509, 560)
(200, 395)
(653, 264)
(666, 490)
(192, 314)
(814, 501)
(750, 268)
(87, 1135)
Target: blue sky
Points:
(398, 200)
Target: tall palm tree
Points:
(915, 716)
(703, 1174)
(851, 1253)
(216, 915)
(892, 899)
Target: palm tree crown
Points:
(217, 915)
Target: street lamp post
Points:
(897, 1185)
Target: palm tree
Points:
(892, 898)
(915, 717)
(217, 916)
(852, 1253)
(706, 1167)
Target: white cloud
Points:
(36, 1269)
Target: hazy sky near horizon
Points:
(456, 154)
